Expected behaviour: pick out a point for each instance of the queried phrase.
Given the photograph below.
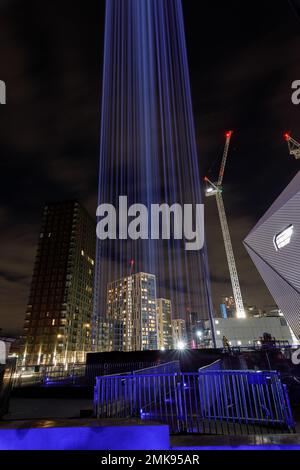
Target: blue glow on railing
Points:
(86, 438)
(148, 146)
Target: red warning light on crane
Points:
(228, 134)
(286, 136)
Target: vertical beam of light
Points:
(148, 149)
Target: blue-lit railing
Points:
(211, 401)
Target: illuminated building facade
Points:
(58, 315)
(131, 313)
(164, 325)
(179, 332)
(245, 332)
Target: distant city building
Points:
(194, 330)
(58, 315)
(179, 332)
(274, 246)
(227, 307)
(131, 313)
(228, 310)
(164, 325)
(244, 332)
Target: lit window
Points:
(217, 322)
(218, 332)
(239, 343)
(283, 238)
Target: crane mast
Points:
(215, 189)
(294, 146)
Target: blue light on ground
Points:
(148, 147)
(245, 447)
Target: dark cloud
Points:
(243, 57)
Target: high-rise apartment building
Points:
(179, 332)
(131, 313)
(164, 325)
(58, 315)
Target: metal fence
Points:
(115, 368)
(210, 401)
(49, 375)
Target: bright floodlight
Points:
(162, 348)
(283, 238)
(199, 333)
(209, 190)
(181, 345)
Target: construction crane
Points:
(215, 189)
(294, 146)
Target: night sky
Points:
(243, 58)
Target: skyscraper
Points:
(131, 313)
(58, 316)
(274, 247)
(164, 325)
